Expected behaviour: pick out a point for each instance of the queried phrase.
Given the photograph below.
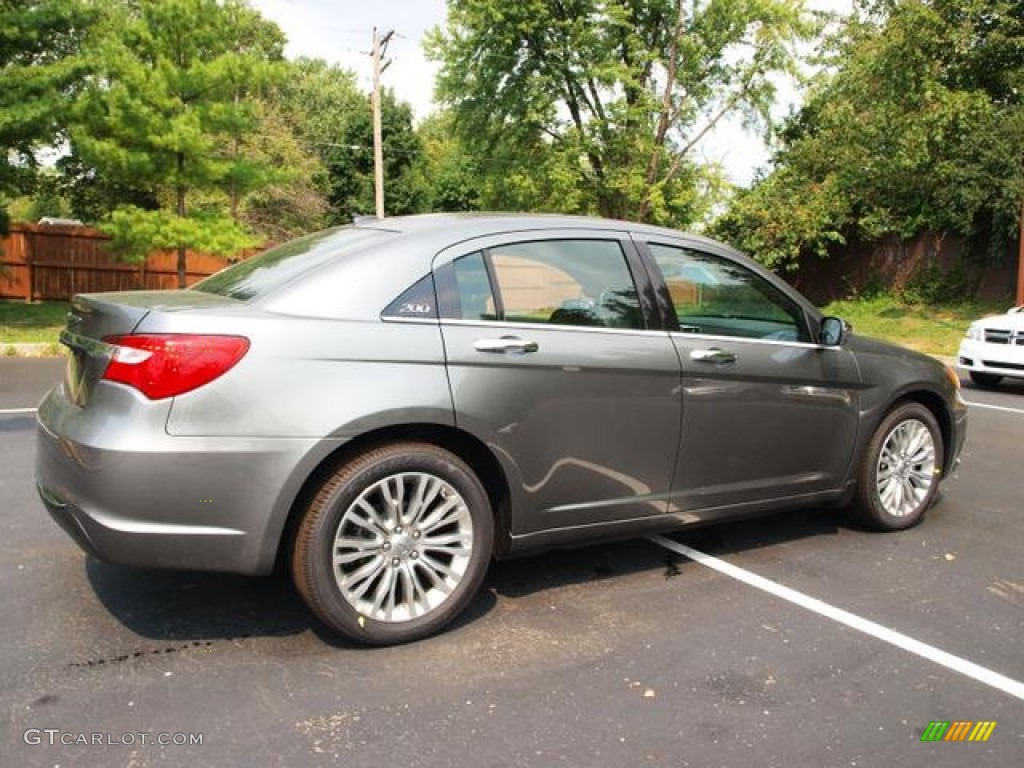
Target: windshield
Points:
(260, 275)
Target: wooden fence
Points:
(49, 262)
(891, 262)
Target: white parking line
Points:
(994, 407)
(7, 411)
(964, 667)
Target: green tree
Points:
(303, 122)
(165, 114)
(40, 66)
(615, 94)
(294, 201)
(318, 99)
(454, 175)
(916, 125)
(350, 162)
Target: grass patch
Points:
(27, 323)
(934, 329)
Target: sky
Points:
(341, 32)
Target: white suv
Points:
(994, 348)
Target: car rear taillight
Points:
(163, 365)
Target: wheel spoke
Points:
(885, 472)
(360, 580)
(373, 522)
(923, 476)
(436, 575)
(347, 542)
(438, 568)
(393, 492)
(444, 515)
(436, 542)
(384, 595)
(427, 489)
(415, 594)
(344, 558)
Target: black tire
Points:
(914, 473)
(986, 380)
(356, 515)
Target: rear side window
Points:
(273, 269)
(551, 282)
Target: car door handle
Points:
(506, 345)
(713, 355)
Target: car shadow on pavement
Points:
(552, 570)
(1006, 386)
(189, 605)
(183, 608)
(768, 530)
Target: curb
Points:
(34, 349)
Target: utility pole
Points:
(1020, 260)
(380, 45)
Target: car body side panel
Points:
(317, 378)
(586, 428)
(779, 421)
(895, 373)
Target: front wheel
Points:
(901, 469)
(395, 544)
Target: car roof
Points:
(361, 283)
(476, 224)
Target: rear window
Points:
(273, 269)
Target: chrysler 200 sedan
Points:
(384, 407)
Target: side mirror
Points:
(834, 331)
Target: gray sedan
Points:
(382, 408)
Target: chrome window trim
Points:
(413, 320)
(590, 329)
(749, 340)
(555, 327)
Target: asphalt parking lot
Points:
(629, 654)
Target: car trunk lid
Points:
(96, 316)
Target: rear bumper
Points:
(127, 492)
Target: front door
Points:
(767, 414)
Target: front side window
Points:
(551, 282)
(715, 296)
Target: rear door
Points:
(556, 364)
(767, 413)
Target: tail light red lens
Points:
(163, 365)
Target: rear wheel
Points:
(901, 469)
(395, 544)
(986, 379)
